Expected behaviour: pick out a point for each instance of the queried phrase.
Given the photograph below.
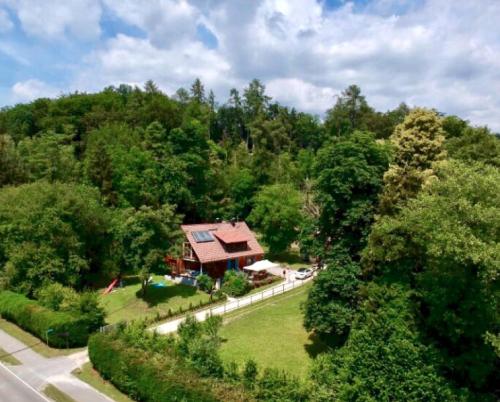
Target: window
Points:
(202, 236)
(236, 247)
(233, 264)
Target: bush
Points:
(57, 297)
(205, 283)
(67, 328)
(275, 385)
(250, 373)
(149, 376)
(235, 284)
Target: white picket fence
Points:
(171, 326)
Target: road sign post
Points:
(47, 335)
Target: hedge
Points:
(66, 329)
(154, 377)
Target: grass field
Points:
(92, 377)
(33, 342)
(127, 303)
(272, 334)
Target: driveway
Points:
(233, 304)
(38, 371)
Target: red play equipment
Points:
(110, 287)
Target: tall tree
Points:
(255, 100)
(332, 302)
(198, 91)
(277, 215)
(475, 144)
(417, 143)
(146, 236)
(351, 112)
(53, 232)
(11, 169)
(349, 179)
(445, 243)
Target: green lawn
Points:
(127, 303)
(272, 334)
(93, 378)
(33, 342)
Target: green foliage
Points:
(277, 215)
(199, 344)
(332, 302)
(350, 113)
(149, 376)
(235, 284)
(63, 328)
(53, 233)
(57, 297)
(205, 283)
(145, 236)
(49, 156)
(11, 171)
(152, 367)
(446, 243)
(383, 359)
(418, 143)
(349, 179)
(475, 144)
(152, 159)
(249, 374)
(126, 174)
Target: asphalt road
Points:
(13, 389)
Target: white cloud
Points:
(5, 22)
(167, 22)
(28, 90)
(125, 59)
(432, 53)
(54, 19)
(304, 96)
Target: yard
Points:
(272, 334)
(127, 303)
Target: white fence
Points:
(253, 298)
(171, 326)
(220, 309)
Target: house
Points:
(214, 248)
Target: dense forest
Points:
(403, 206)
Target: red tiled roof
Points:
(214, 250)
(231, 236)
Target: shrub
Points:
(275, 385)
(250, 373)
(67, 328)
(149, 376)
(57, 297)
(235, 283)
(205, 282)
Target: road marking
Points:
(24, 382)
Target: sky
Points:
(442, 54)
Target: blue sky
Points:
(434, 53)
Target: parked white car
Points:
(303, 273)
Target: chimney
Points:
(233, 221)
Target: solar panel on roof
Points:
(202, 236)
